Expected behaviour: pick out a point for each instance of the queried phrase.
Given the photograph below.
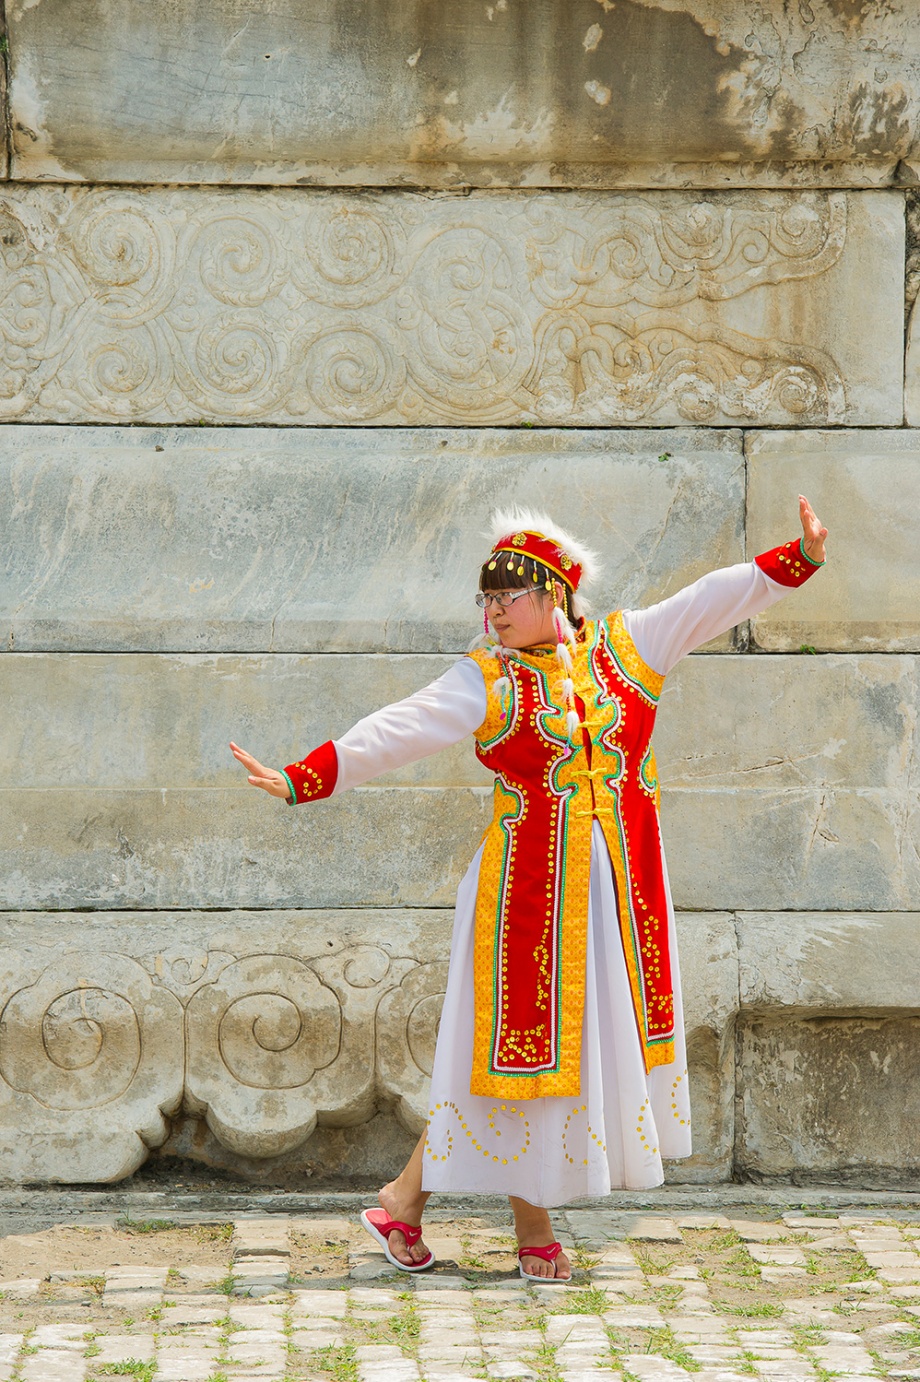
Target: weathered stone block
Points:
(864, 964)
(273, 1018)
(826, 1098)
(862, 485)
(215, 848)
(445, 99)
(170, 305)
(283, 540)
(791, 777)
(130, 720)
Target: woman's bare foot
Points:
(534, 1230)
(408, 1208)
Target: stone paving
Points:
(796, 1297)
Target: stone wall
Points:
(288, 302)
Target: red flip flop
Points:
(548, 1254)
(380, 1228)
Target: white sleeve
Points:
(440, 714)
(666, 632)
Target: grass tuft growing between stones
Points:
(663, 1343)
(402, 1327)
(766, 1309)
(589, 1301)
(128, 1225)
(212, 1233)
(543, 1362)
(806, 1336)
(654, 1260)
(91, 1283)
(664, 1295)
(340, 1362)
(128, 1367)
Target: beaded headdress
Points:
(519, 533)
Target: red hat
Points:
(529, 543)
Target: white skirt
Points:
(552, 1150)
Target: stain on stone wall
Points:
(488, 94)
(828, 1098)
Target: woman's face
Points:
(524, 623)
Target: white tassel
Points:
(503, 687)
(564, 656)
(568, 688)
(564, 631)
(572, 723)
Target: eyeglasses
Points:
(502, 599)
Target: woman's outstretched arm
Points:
(666, 632)
(440, 714)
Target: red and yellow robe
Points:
(532, 899)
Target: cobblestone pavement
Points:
(726, 1297)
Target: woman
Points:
(560, 1068)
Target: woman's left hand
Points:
(814, 533)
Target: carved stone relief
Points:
(89, 1065)
(598, 309)
(267, 1044)
(277, 1024)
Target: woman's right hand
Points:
(268, 779)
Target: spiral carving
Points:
(80, 1052)
(239, 264)
(172, 304)
(24, 322)
(352, 374)
(799, 391)
(259, 1038)
(350, 255)
(117, 243)
(127, 255)
(124, 371)
(270, 1020)
(74, 1040)
(237, 359)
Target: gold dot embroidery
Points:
(451, 1107)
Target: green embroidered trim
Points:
(645, 767)
(807, 557)
(293, 797)
(631, 680)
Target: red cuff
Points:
(315, 777)
(788, 564)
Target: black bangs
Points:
(512, 572)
